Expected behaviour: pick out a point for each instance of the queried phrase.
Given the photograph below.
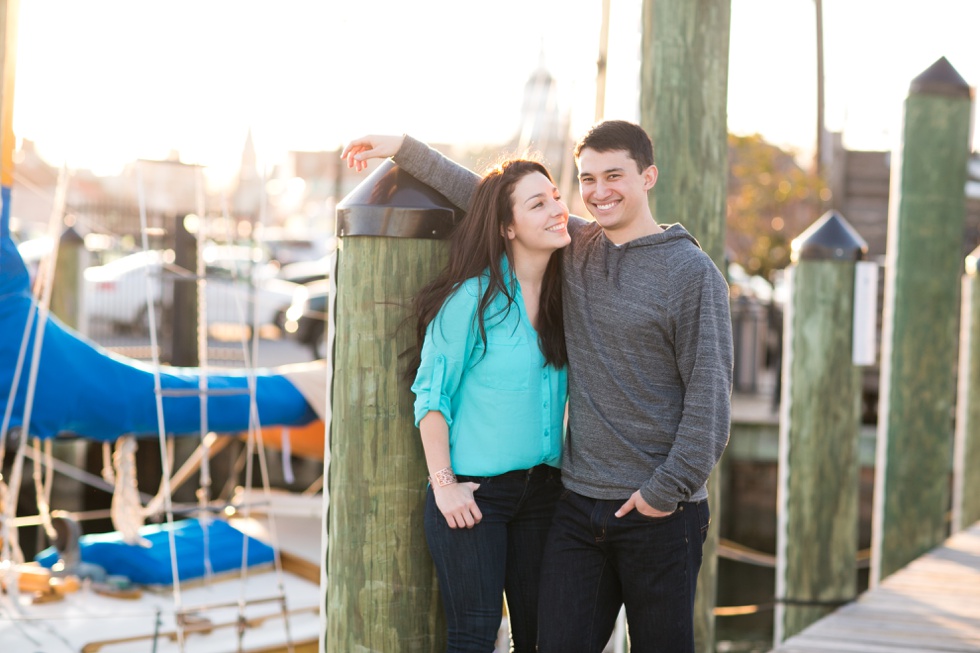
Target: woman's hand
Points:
(457, 504)
(359, 150)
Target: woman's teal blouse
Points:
(505, 407)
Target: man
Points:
(648, 333)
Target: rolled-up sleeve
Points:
(446, 352)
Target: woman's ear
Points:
(508, 232)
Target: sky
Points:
(103, 82)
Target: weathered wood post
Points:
(69, 269)
(382, 593)
(683, 106)
(918, 349)
(966, 448)
(817, 499)
(184, 332)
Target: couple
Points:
(639, 316)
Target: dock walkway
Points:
(933, 604)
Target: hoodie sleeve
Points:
(451, 179)
(703, 350)
(430, 167)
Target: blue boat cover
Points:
(151, 565)
(84, 390)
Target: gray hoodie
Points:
(649, 339)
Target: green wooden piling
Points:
(66, 292)
(683, 106)
(382, 593)
(966, 456)
(183, 343)
(817, 514)
(925, 236)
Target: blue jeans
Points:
(595, 562)
(501, 554)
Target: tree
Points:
(771, 200)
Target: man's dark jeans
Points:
(595, 562)
(502, 553)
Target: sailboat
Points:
(218, 581)
(239, 574)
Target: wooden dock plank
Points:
(933, 604)
(892, 622)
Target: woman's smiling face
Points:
(540, 216)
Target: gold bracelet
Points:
(443, 477)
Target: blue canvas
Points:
(151, 566)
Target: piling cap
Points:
(70, 236)
(971, 262)
(831, 238)
(392, 203)
(941, 79)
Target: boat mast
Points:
(9, 13)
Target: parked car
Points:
(307, 271)
(306, 317)
(117, 291)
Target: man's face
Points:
(612, 188)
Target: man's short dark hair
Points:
(614, 135)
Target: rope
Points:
(736, 552)
(287, 457)
(255, 437)
(8, 533)
(107, 472)
(126, 509)
(158, 396)
(81, 475)
(11, 545)
(744, 610)
(204, 491)
(42, 486)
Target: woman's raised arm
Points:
(416, 158)
(373, 146)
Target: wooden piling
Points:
(918, 352)
(966, 447)
(66, 292)
(381, 586)
(683, 104)
(817, 514)
(183, 344)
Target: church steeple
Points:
(544, 124)
(247, 193)
(540, 119)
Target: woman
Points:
(490, 396)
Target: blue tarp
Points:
(84, 390)
(151, 565)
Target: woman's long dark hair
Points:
(477, 244)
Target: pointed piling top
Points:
(71, 237)
(392, 203)
(971, 262)
(831, 238)
(941, 79)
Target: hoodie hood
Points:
(614, 255)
